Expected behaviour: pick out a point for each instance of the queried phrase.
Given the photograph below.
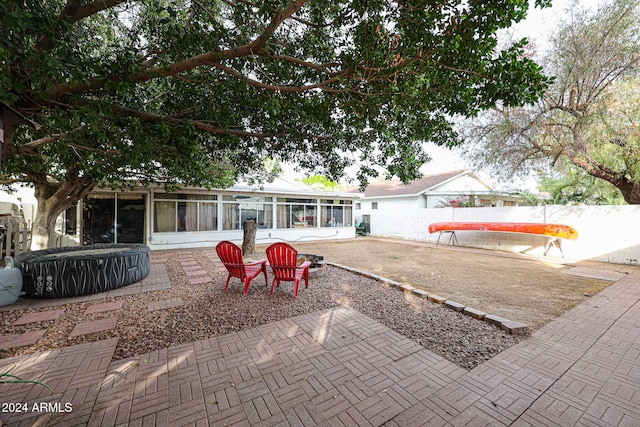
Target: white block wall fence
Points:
(606, 233)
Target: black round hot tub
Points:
(82, 270)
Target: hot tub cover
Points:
(82, 270)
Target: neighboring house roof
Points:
(395, 187)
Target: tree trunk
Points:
(250, 228)
(53, 199)
(43, 229)
(629, 188)
(51, 203)
(630, 191)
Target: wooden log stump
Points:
(250, 228)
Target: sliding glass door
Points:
(113, 218)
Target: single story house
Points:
(284, 210)
(430, 191)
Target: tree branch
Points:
(152, 73)
(318, 67)
(208, 58)
(16, 179)
(283, 88)
(278, 20)
(597, 170)
(29, 147)
(92, 8)
(198, 124)
(75, 11)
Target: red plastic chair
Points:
(231, 256)
(283, 259)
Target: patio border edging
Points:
(507, 325)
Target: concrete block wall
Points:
(606, 233)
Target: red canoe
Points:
(553, 230)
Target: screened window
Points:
(336, 213)
(184, 212)
(238, 209)
(296, 213)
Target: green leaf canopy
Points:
(201, 92)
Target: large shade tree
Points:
(589, 119)
(192, 92)
(575, 186)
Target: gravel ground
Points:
(207, 311)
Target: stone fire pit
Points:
(318, 265)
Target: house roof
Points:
(395, 187)
(283, 185)
(280, 186)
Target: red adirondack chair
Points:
(283, 259)
(231, 256)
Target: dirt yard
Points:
(521, 288)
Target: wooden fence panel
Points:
(15, 241)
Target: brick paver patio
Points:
(340, 367)
(40, 316)
(18, 340)
(93, 326)
(195, 273)
(102, 307)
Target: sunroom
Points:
(283, 210)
